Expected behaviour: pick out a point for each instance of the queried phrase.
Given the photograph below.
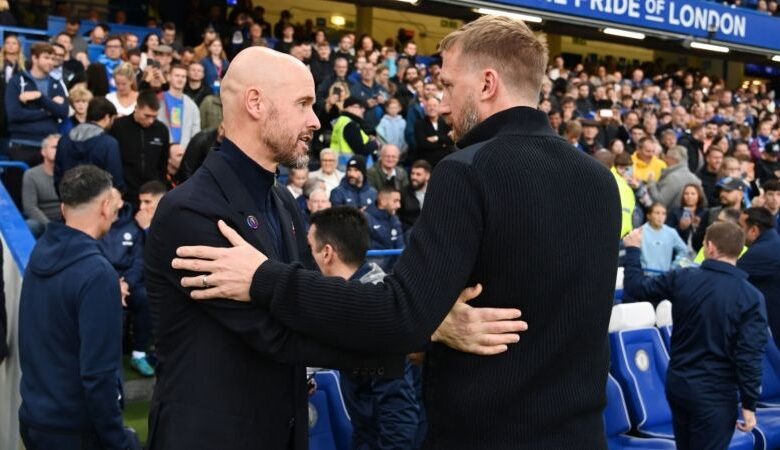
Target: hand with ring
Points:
(205, 282)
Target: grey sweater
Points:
(39, 199)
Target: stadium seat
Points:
(663, 320)
(340, 426)
(770, 381)
(639, 363)
(320, 423)
(617, 424)
(619, 286)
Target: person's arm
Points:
(337, 197)
(114, 163)
(14, 108)
(421, 137)
(58, 110)
(749, 352)
(402, 313)
(756, 266)
(635, 284)
(354, 138)
(100, 334)
(134, 275)
(680, 249)
(30, 199)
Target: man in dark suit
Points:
(548, 390)
(229, 375)
(413, 195)
(432, 134)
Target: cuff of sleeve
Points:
(262, 288)
(749, 404)
(633, 251)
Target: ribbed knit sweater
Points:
(537, 223)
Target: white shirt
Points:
(121, 110)
(331, 181)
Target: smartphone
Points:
(687, 213)
(605, 113)
(337, 90)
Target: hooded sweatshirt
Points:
(89, 143)
(123, 247)
(70, 338)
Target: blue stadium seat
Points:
(340, 426)
(770, 381)
(617, 424)
(639, 363)
(320, 423)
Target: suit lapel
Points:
(244, 212)
(286, 223)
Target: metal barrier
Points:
(13, 165)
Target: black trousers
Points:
(699, 426)
(39, 439)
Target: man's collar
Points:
(518, 120)
(723, 267)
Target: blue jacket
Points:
(720, 329)
(70, 338)
(37, 119)
(385, 229)
(123, 247)
(762, 264)
(89, 144)
(414, 113)
(210, 71)
(349, 195)
(111, 65)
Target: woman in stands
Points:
(662, 248)
(215, 65)
(149, 44)
(12, 57)
(126, 90)
(690, 218)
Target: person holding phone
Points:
(690, 217)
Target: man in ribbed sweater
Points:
(548, 390)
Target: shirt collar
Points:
(516, 120)
(720, 266)
(364, 269)
(251, 174)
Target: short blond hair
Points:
(126, 70)
(79, 92)
(508, 46)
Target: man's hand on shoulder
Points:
(481, 331)
(226, 272)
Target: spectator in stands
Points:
(163, 54)
(197, 150)
(296, 179)
(58, 71)
(322, 64)
(255, 37)
(623, 171)
(195, 88)
(148, 47)
(590, 141)
(143, 143)
(187, 56)
(89, 143)
(79, 98)
(668, 139)
(317, 200)
(689, 217)
(112, 58)
(669, 187)
(178, 112)
(731, 195)
(762, 260)
(662, 248)
(392, 126)
(709, 174)
(354, 190)
(339, 75)
(772, 199)
(97, 81)
(387, 172)
(763, 137)
(768, 167)
(349, 136)
(584, 100)
(371, 93)
(123, 247)
(40, 201)
(126, 94)
(202, 49)
(718, 342)
(169, 38)
(345, 51)
(384, 412)
(433, 136)
(149, 196)
(98, 34)
(384, 225)
(413, 196)
(573, 134)
(616, 146)
(328, 170)
(131, 41)
(214, 64)
(12, 57)
(72, 26)
(286, 40)
(211, 111)
(70, 326)
(647, 165)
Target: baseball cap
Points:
(162, 48)
(351, 101)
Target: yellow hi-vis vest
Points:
(337, 142)
(627, 203)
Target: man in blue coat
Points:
(354, 189)
(89, 143)
(762, 261)
(123, 246)
(70, 326)
(384, 225)
(719, 339)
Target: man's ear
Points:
(490, 82)
(254, 102)
(328, 254)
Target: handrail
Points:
(15, 164)
(16, 234)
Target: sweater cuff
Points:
(262, 288)
(749, 403)
(634, 251)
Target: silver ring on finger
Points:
(205, 282)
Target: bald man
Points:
(230, 376)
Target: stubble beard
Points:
(469, 119)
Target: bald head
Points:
(267, 100)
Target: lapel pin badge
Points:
(252, 222)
